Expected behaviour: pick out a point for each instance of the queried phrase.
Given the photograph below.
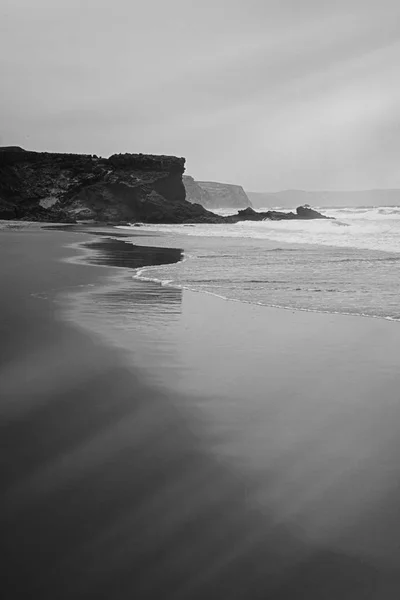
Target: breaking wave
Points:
(364, 228)
(347, 265)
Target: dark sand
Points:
(160, 444)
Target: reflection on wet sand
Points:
(111, 487)
(118, 253)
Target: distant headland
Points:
(124, 188)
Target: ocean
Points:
(347, 265)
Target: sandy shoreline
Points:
(224, 450)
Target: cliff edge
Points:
(214, 195)
(42, 186)
(195, 194)
(67, 188)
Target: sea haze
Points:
(347, 265)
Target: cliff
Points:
(213, 195)
(195, 194)
(44, 186)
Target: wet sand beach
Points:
(160, 443)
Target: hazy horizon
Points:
(271, 95)
(322, 191)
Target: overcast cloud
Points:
(271, 94)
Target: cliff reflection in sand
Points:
(127, 304)
(117, 253)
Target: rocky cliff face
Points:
(214, 195)
(45, 186)
(225, 195)
(41, 186)
(195, 194)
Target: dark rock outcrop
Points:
(306, 212)
(248, 214)
(43, 186)
(11, 149)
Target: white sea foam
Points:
(144, 275)
(365, 228)
(333, 266)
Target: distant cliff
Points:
(45, 186)
(195, 194)
(213, 195)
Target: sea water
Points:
(349, 264)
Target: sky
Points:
(268, 94)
